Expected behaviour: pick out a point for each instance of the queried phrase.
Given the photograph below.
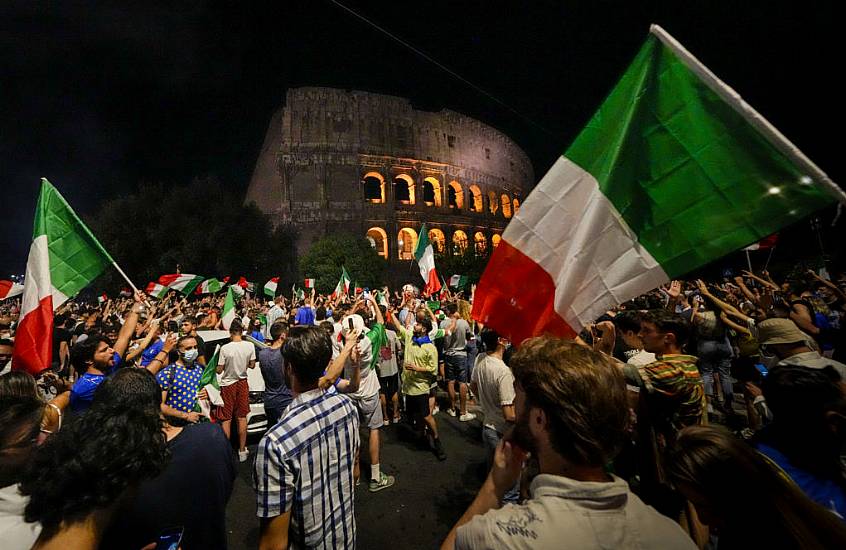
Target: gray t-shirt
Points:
(495, 387)
(456, 343)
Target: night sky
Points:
(100, 96)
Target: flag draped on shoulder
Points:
(10, 289)
(673, 171)
(64, 258)
(270, 287)
(425, 256)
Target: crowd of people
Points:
(701, 414)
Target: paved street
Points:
(417, 512)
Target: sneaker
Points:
(466, 416)
(396, 420)
(452, 412)
(439, 450)
(383, 483)
(436, 410)
(242, 455)
(386, 423)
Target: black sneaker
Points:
(439, 450)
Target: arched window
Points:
(455, 196)
(506, 206)
(480, 243)
(516, 206)
(476, 199)
(438, 240)
(378, 240)
(431, 191)
(406, 243)
(459, 242)
(404, 189)
(493, 202)
(374, 187)
(495, 240)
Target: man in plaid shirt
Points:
(303, 473)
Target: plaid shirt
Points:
(305, 465)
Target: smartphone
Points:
(762, 369)
(366, 294)
(170, 539)
(350, 325)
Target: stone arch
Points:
(506, 206)
(480, 243)
(459, 242)
(404, 189)
(516, 205)
(378, 240)
(455, 195)
(495, 240)
(406, 243)
(374, 187)
(431, 191)
(493, 202)
(438, 240)
(476, 199)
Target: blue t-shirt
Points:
(257, 335)
(182, 396)
(305, 316)
(150, 353)
(82, 392)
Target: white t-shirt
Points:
(368, 384)
(235, 357)
(495, 387)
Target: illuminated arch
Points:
(476, 199)
(455, 195)
(516, 205)
(378, 240)
(495, 240)
(438, 239)
(431, 191)
(493, 202)
(374, 187)
(459, 242)
(406, 243)
(404, 189)
(480, 243)
(506, 206)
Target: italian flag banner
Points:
(10, 289)
(343, 286)
(183, 282)
(64, 258)
(458, 281)
(228, 313)
(309, 283)
(156, 290)
(673, 171)
(209, 286)
(270, 287)
(425, 256)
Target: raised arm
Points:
(733, 325)
(336, 367)
(763, 281)
(128, 328)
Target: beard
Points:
(521, 435)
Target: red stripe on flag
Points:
(433, 284)
(515, 297)
(34, 339)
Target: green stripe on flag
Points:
(688, 173)
(422, 243)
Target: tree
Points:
(203, 227)
(327, 256)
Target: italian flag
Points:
(309, 283)
(183, 282)
(64, 258)
(674, 171)
(209, 286)
(270, 287)
(228, 313)
(458, 281)
(425, 256)
(343, 286)
(10, 289)
(156, 290)
(102, 298)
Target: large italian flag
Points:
(183, 282)
(64, 258)
(425, 256)
(674, 171)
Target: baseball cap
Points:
(779, 331)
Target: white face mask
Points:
(190, 356)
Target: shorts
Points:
(370, 411)
(236, 401)
(417, 406)
(388, 385)
(456, 367)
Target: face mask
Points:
(190, 356)
(769, 361)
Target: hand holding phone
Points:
(170, 539)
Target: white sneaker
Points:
(466, 416)
(242, 455)
(452, 412)
(436, 410)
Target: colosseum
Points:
(372, 164)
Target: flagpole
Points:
(769, 257)
(748, 260)
(125, 277)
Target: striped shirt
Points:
(677, 378)
(305, 465)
